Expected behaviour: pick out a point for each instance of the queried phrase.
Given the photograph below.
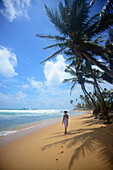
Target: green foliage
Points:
(77, 28)
(80, 37)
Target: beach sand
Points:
(87, 146)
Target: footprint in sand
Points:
(61, 152)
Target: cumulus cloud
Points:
(8, 61)
(54, 71)
(35, 84)
(15, 8)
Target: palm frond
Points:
(54, 45)
(71, 71)
(98, 26)
(92, 46)
(65, 14)
(92, 2)
(107, 9)
(58, 38)
(71, 58)
(103, 24)
(53, 55)
(67, 80)
(89, 25)
(55, 18)
(99, 39)
(79, 14)
(72, 87)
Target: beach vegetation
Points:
(98, 110)
(82, 41)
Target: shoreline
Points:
(27, 129)
(87, 146)
(15, 129)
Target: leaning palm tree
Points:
(83, 73)
(78, 77)
(78, 31)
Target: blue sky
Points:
(24, 82)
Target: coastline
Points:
(25, 130)
(18, 132)
(23, 119)
(87, 146)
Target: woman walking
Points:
(65, 120)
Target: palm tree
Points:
(77, 31)
(81, 75)
(96, 75)
(87, 102)
(78, 76)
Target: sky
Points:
(24, 82)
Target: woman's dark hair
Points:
(65, 111)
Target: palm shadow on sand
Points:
(88, 138)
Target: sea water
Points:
(13, 119)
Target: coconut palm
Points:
(78, 76)
(82, 74)
(77, 30)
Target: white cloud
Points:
(8, 61)
(15, 8)
(25, 86)
(96, 67)
(20, 96)
(35, 84)
(54, 71)
(17, 98)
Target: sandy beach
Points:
(87, 146)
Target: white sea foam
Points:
(30, 111)
(25, 112)
(4, 133)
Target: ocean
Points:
(12, 120)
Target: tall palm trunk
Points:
(86, 93)
(104, 107)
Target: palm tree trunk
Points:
(102, 99)
(95, 62)
(85, 91)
